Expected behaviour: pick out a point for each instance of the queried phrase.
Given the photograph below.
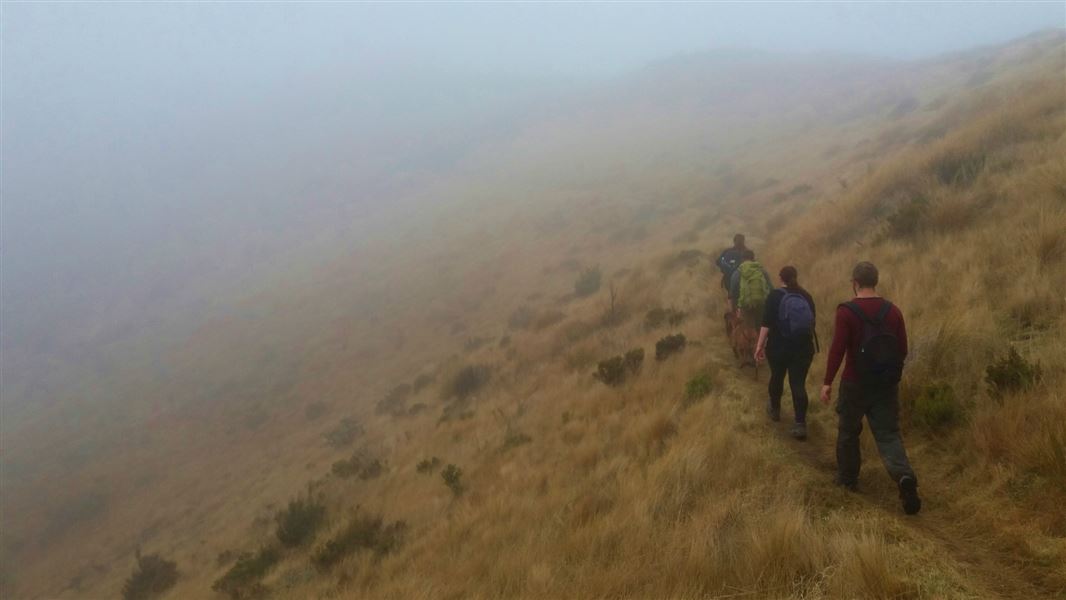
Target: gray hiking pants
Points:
(881, 409)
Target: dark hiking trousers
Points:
(881, 409)
(795, 365)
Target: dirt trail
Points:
(997, 568)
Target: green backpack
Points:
(753, 286)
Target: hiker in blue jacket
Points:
(787, 342)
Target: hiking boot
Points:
(799, 431)
(908, 495)
(773, 413)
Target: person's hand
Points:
(827, 393)
(760, 354)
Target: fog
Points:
(155, 154)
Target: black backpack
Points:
(880, 362)
(728, 261)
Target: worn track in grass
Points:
(996, 565)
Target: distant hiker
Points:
(787, 341)
(871, 333)
(730, 258)
(748, 287)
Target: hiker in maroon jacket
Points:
(871, 338)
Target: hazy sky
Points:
(136, 135)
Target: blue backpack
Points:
(795, 316)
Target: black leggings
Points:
(795, 365)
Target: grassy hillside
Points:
(469, 335)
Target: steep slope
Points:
(574, 488)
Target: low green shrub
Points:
(467, 381)
(395, 402)
(453, 478)
(361, 464)
(363, 532)
(428, 465)
(669, 345)
(697, 388)
(243, 579)
(657, 317)
(298, 523)
(634, 359)
(611, 371)
(936, 406)
(152, 576)
(1010, 374)
(344, 433)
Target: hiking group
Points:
(777, 326)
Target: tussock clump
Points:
(363, 532)
(453, 478)
(243, 579)
(298, 523)
(588, 282)
(613, 371)
(360, 464)
(958, 166)
(936, 406)
(1011, 373)
(152, 576)
(395, 402)
(669, 345)
(909, 218)
(427, 465)
(697, 388)
(467, 381)
(658, 317)
(344, 433)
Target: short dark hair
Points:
(748, 254)
(865, 274)
(790, 276)
(738, 240)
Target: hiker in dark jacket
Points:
(786, 340)
(730, 258)
(871, 338)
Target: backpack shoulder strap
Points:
(858, 311)
(882, 312)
